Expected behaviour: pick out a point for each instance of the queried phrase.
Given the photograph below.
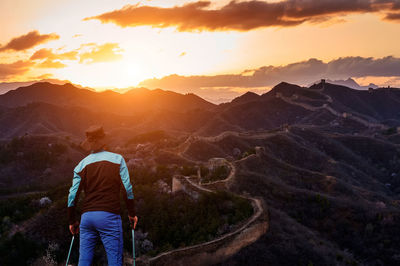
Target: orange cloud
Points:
(49, 54)
(28, 41)
(14, 69)
(51, 64)
(242, 16)
(43, 76)
(393, 16)
(100, 53)
(88, 53)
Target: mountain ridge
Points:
(329, 106)
(127, 103)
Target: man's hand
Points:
(74, 228)
(133, 221)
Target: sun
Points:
(120, 74)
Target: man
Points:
(100, 175)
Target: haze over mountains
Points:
(215, 96)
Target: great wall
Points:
(366, 121)
(221, 248)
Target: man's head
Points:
(95, 140)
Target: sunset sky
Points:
(216, 48)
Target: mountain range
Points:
(324, 159)
(51, 108)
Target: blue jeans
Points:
(106, 226)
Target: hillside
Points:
(48, 119)
(333, 107)
(333, 198)
(317, 166)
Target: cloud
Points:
(28, 41)
(393, 16)
(49, 54)
(88, 53)
(51, 64)
(43, 76)
(303, 73)
(48, 59)
(243, 16)
(100, 53)
(14, 69)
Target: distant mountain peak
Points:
(246, 97)
(8, 86)
(283, 86)
(249, 93)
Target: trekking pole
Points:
(70, 248)
(133, 247)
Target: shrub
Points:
(18, 250)
(189, 170)
(204, 170)
(178, 220)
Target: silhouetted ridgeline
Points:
(69, 110)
